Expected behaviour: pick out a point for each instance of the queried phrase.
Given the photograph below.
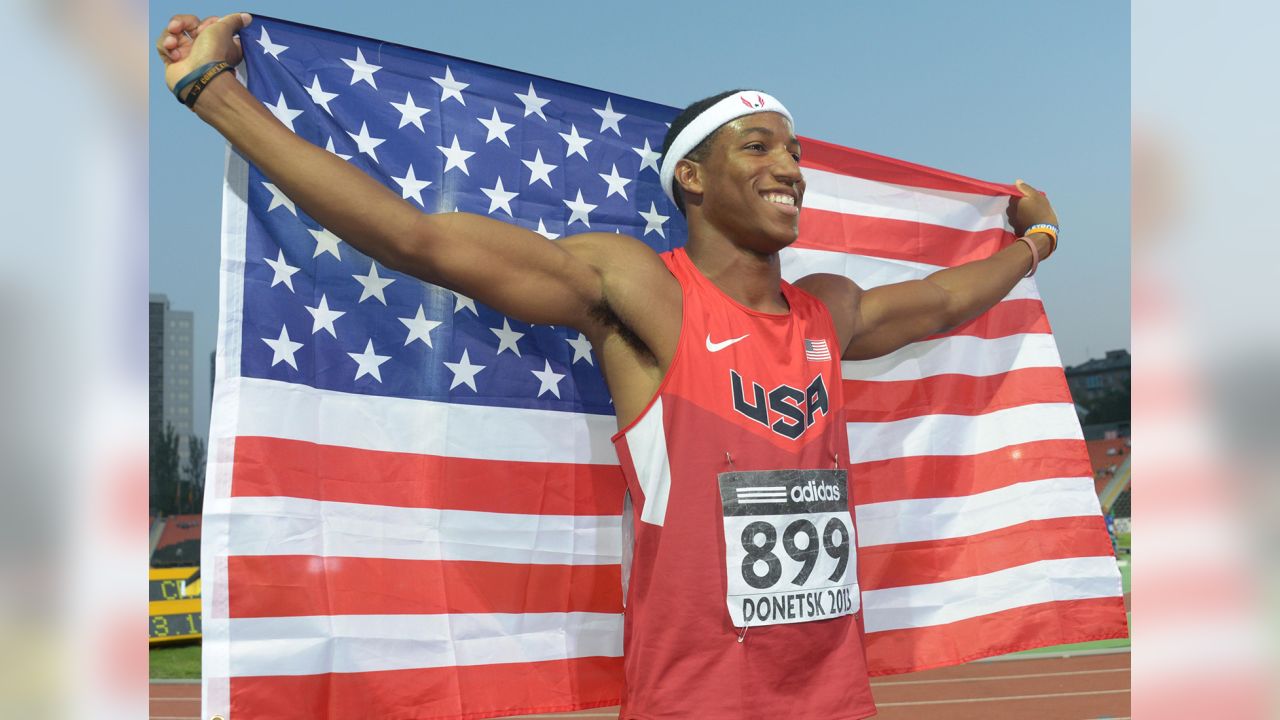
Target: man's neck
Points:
(752, 279)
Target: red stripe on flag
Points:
(928, 476)
(267, 467)
(860, 163)
(1053, 623)
(896, 239)
(1011, 317)
(883, 401)
(918, 563)
(465, 691)
(297, 585)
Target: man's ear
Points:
(688, 177)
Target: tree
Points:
(1111, 406)
(164, 469)
(193, 475)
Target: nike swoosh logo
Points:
(718, 346)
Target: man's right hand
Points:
(188, 42)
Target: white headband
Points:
(733, 107)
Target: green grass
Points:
(175, 662)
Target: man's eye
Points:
(795, 156)
(756, 146)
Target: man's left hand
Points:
(1032, 208)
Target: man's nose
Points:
(786, 169)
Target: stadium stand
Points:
(179, 542)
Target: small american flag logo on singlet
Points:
(816, 350)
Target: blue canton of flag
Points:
(447, 135)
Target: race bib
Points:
(789, 546)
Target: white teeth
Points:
(780, 198)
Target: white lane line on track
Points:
(1004, 697)
(998, 677)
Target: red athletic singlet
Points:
(746, 392)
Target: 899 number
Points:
(762, 550)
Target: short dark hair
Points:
(699, 152)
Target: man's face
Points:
(751, 182)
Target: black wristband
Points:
(210, 72)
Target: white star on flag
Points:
(581, 349)
(507, 338)
(455, 157)
(323, 317)
(462, 301)
(318, 94)
(608, 118)
(279, 199)
(539, 171)
(368, 362)
(361, 70)
(577, 143)
(365, 142)
(419, 327)
(373, 284)
(464, 372)
(283, 271)
(410, 113)
(329, 146)
(499, 197)
(581, 211)
(497, 128)
(532, 103)
(648, 158)
(450, 88)
(411, 186)
(284, 113)
(326, 242)
(542, 230)
(283, 348)
(549, 379)
(653, 220)
(268, 47)
(617, 183)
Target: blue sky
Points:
(995, 90)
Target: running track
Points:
(1082, 687)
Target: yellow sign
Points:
(175, 604)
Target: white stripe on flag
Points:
(1043, 581)
(870, 198)
(871, 272)
(959, 355)
(296, 526)
(311, 645)
(962, 434)
(270, 408)
(900, 521)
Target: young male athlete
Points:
(743, 598)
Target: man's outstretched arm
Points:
(876, 322)
(514, 270)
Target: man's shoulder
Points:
(615, 255)
(829, 288)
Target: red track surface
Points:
(1076, 688)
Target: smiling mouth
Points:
(783, 201)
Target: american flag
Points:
(414, 505)
(816, 350)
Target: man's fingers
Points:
(176, 36)
(237, 21)
(182, 21)
(204, 24)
